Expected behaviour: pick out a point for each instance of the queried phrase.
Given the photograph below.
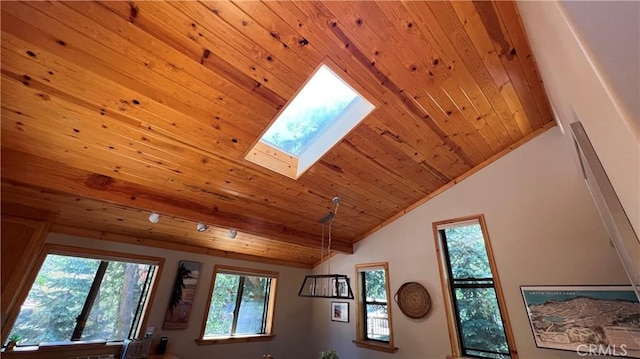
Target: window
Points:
(240, 306)
(374, 312)
(478, 321)
(318, 117)
(78, 296)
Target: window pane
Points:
(253, 306)
(375, 285)
(113, 312)
(314, 108)
(377, 322)
(55, 299)
(467, 252)
(223, 304)
(480, 319)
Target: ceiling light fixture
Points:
(232, 233)
(201, 227)
(154, 217)
(327, 285)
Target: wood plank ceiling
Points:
(111, 110)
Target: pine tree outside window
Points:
(80, 296)
(478, 321)
(241, 306)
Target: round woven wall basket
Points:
(413, 300)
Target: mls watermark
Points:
(584, 350)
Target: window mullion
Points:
(364, 304)
(452, 290)
(236, 310)
(472, 279)
(473, 285)
(81, 320)
(141, 301)
(265, 305)
(483, 351)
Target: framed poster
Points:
(184, 290)
(340, 312)
(588, 320)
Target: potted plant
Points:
(13, 341)
(329, 354)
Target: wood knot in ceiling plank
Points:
(133, 12)
(100, 182)
(491, 22)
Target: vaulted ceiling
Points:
(111, 110)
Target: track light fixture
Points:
(154, 217)
(201, 227)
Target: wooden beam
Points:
(24, 168)
(149, 242)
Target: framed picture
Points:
(341, 289)
(340, 312)
(184, 289)
(588, 320)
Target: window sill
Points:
(67, 349)
(367, 344)
(236, 339)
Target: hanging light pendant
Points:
(326, 286)
(335, 286)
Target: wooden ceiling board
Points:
(402, 60)
(453, 61)
(145, 152)
(154, 74)
(156, 162)
(111, 110)
(500, 68)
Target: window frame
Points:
(89, 253)
(361, 304)
(453, 322)
(269, 315)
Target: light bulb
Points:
(201, 227)
(154, 217)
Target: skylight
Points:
(317, 118)
(316, 106)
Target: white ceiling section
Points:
(582, 89)
(611, 31)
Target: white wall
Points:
(291, 321)
(609, 31)
(588, 55)
(544, 230)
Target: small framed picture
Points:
(340, 312)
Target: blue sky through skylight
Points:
(317, 105)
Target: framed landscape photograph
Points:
(595, 320)
(340, 312)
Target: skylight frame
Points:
(281, 161)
